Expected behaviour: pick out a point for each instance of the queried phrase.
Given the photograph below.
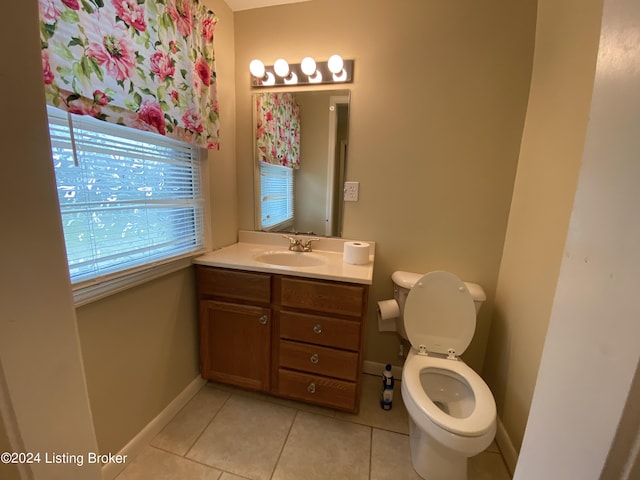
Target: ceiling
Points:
(237, 5)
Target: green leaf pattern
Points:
(147, 64)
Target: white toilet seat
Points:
(481, 421)
(439, 314)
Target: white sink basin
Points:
(292, 259)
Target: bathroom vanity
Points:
(294, 331)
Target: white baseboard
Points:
(376, 368)
(144, 437)
(509, 453)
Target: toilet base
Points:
(431, 460)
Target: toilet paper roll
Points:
(356, 253)
(388, 311)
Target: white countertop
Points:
(242, 256)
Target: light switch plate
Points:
(351, 191)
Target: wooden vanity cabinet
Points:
(235, 327)
(318, 345)
(292, 337)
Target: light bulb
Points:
(256, 67)
(340, 77)
(317, 78)
(291, 79)
(269, 79)
(335, 63)
(308, 66)
(281, 67)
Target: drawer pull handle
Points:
(317, 329)
(315, 358)
(311, 388)
(263, 319)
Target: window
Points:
(127, 198)
(276, 201)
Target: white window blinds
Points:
(276, 201)
(127, 198)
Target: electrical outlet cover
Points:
(351, 191)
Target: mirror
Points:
(317, 183)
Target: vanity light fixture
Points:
(281, 73)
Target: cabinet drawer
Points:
(320, 330)
(319, 360)
(323, 296)
(233, 284)
(321, 390)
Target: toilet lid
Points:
(439, 313)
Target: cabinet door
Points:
(235, 344)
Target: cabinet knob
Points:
(317, 329)
(311, 388)
(263, 319)
(314, 358)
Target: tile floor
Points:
(229, 434)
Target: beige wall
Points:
(222, 164)
(437, 109)
(552, 144)
(311, 178)
(591, 350)
(42, 385)
(140, 350)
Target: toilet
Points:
(452, 413)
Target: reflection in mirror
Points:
(300, 146)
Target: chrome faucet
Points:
(300, 244)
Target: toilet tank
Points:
(404, 281)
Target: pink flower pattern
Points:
(100, 97)
(180, 11)
(72, 4)
(162, 65)
(46, 69)
(131, 13)
(151, 113)
(81, 106)
(117, 60)
(278, 132)
(115, 52)
(204, 71)
(208, 28)
(192, 120)
(49, 11)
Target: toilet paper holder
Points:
(388, 313)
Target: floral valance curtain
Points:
(278, 129)
(147, 64)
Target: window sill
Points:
(87, 292)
